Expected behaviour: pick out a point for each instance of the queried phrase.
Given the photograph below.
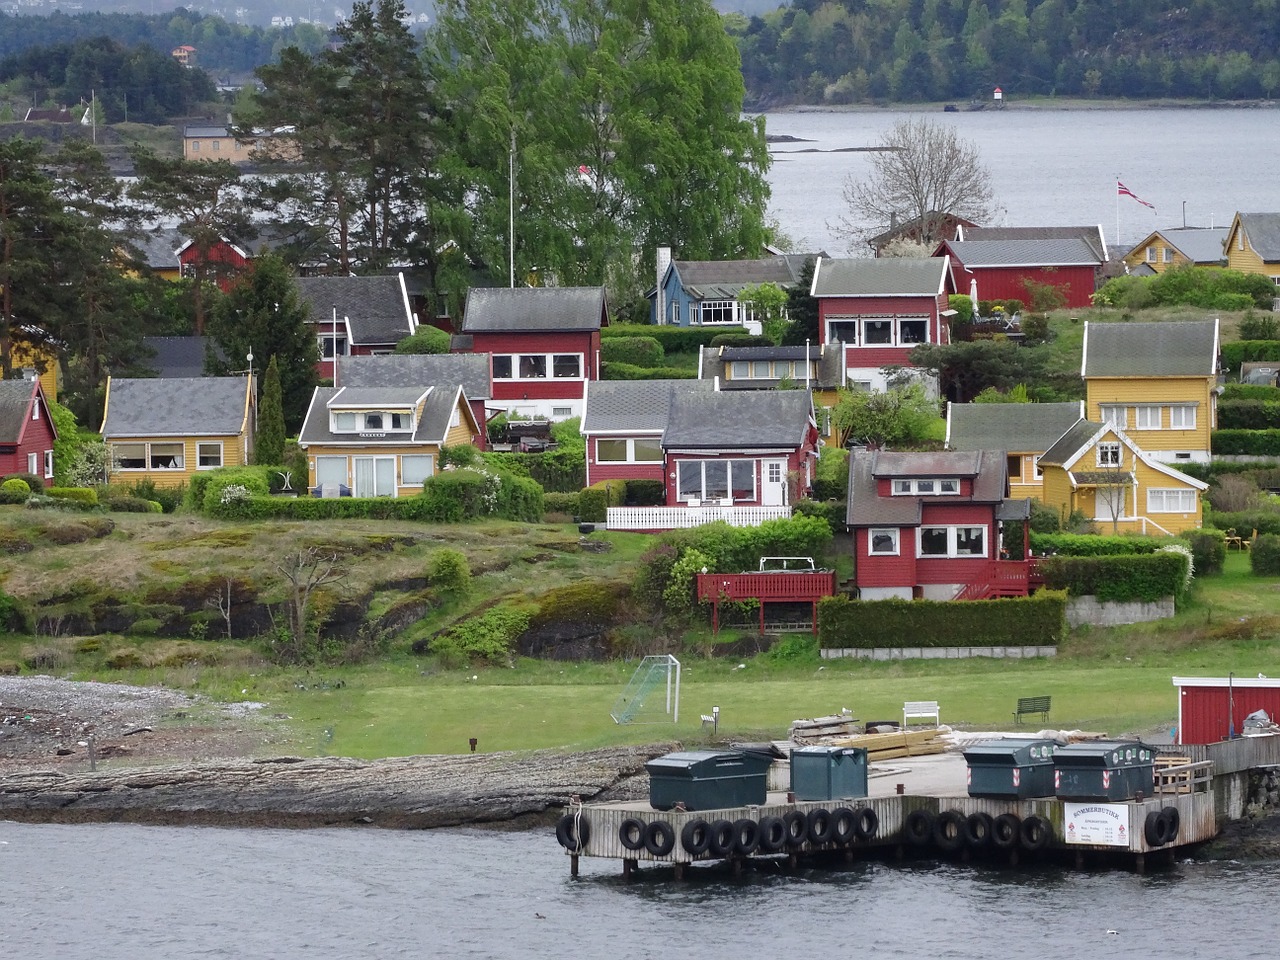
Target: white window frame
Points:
(548, 366)
(1167, 254)
(1171, 500)
(1183, 412)
(1151, 254)
(895, 541)
(630, 448)
(862, 331)
(180, 459)
(705, 308)
(899, 340)
(1103, 452)
(954, 537)
(1039, 474)
(35, 410)
(927, 487)
(1114, 414)
(200, 446)
(33, 460)
(740, 370)
(684, 494)
(116, 457)
(48, 464)
(410, 480)
(1146, 412)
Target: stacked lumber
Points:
(903, 743)
(822, 731)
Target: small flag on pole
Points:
(1124, 191)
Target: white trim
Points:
(952, 537)
(896, 534)
(222, 454)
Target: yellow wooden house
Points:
(1024, 431)
(382, 441)
(43, 359)
(1178, 247)
(1158, 382)
(1253, 245)
(166, 430)
(1097, 469)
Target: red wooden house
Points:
(928, 525)
(1003, 268)
(1214, 708)
(543, 344)
(357, 316)
(223, 262)
(879, 310)
(26, 429)
(623, 422)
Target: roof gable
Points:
(376, 309)
(884, 277)
(1178, 348)
(639, 406)
(1012, 427)
(1262, 231)
(1200, 245)
(176, 407)
(16, 397)
(1084, 436)
(986, 469)
(762, 419)
(534, 310)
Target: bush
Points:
(566, 503)
(1254, 326)
(1244, 523)
(560, 471)
(1256, 443)
(1233, 492)
(646, 493)
(124, 503)
(638, 351)
(1094, 545)
(1238, 351)
(844, 623)
(740, 340)
(454, 495)
(424, 340)
(169, 498)
(629, 371)
(593, 504)
(1208, 550)
(1264, 555)
(1249, 414)
(1249, 391)
(199, 482)
(487, 637)
(449, 571)
(674, 339)
(253, 479)
(34, 483)
(833, 512)
(13, 618)
(14, 490)
(1145, 578)
(79, 494)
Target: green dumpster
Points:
(828, 773)
(1104, 770)
(708, 779)
(1010, 767)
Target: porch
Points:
(1003, 578)
(653, 519)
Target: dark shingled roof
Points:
(627, 405)
(1012, 427)
(159, 249)
(1070, 443)
(15, 407)
(829, 357)
(712, 279)
(375, 306)
(534, 309)
(1103, 478)
(1090, 235)
(1197, 244)
(760, 419)
(1179, 348)
(179, 407)
(1263, 232)
(432, 425)
(987, 469)
(469, 369)
(1072, 252)
(181, 357)
(887, 277)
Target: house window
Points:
(35, 411)
(455, 418)
(775, 472)
(971, 541)
(927, 487)
(129, 456)
(331, 472)
(949, 486)
(373, 422)
(1182, 416)
(1014, 466)
(611, 451)
(933, 541)
(567, 365)
(333, 345)
(1039, 474)
(882, 541)
(501, 368)
(1114, 415)
(33, 461)
(1147, 416)
(1151, 254)
(533, 366)
(642, 450)
(739, 370)
(1168, 255)
(1108, 454)
(217, 146)
(842, 330)
(963, 542)
(716, 480)
(344, 423)
(760, 370)
(901, 488)
(166, 456)
(646, 451)
(860, 386)
(195, 146)
(208, 455)
(1174, 500)
(404, 421)
(1110, 501)
(48, 464)
(913, 330)
(877, 332)
(715, 311)
(415, 468)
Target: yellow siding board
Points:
(332, 450)
(233, 455)
(1133, 391)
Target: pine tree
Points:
(269, 445)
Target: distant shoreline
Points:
(1032, 104)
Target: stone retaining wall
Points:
(937, 653)
(1082, 610)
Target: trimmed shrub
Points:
(35, 484)
(1256, 443)
(566, 503)
(1092, 545)
(740, 340)
(844, 623)
(1208, 550)
(79, 494)
(14, 490)
(629, 371)
(646, 493)
(456, 495)
(1264, 556)
(1249, 414)
(674, 339)
(199, 483)
(1248, 391)
(1245, 522)
(593, 504)
(638, 351)
(125, 503)
(449, 571)
(1145, 577)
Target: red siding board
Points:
(899, 571)
(1207, 713)
(1006, 283)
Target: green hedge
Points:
(79, 494)
(740, 340)
(1092, 545)
(1249, 414)
(1142, 577)
(1249, 391)
(34, 483)
(1255, 443)
(1238, 351)
(1264, 556)
(1208, 551)
(638, 351)
(561, 503)
(256, 479)
(673, 339)
(556, 471)
(629, 371)
(1039, 619)
(595, 500)
(646, 493)
(1215, 468)
(1244, 522)
(456, 495)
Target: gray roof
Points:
(1090, 235)
(1012, 427)
(633, 405)
(828, 356)
(534, 309)
(181, 357)
(376, 307)
(1197, 244)
(1072, 252)
(15, 408)
(885, 277)
(714, 279)
(204, 131)
(432, 425)
(761, 419)
(1263, 231)
(1069, 444)
(176, 407)
(469, 369)
(159, 248)
(986, 468)
(1176, 348)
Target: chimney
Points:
(663, 261)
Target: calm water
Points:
(1051, 167)
(136, 893)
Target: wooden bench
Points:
(1031, 705)
(922, 709)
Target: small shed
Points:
(1213, 708)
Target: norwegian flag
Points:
(1124, 191)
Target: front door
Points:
(773, 483)
(374, 476)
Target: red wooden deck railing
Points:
(796, 587)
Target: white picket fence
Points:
(679, 518)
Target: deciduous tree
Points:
(892, 418)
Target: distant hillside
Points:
(848, 51)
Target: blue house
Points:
(705, 292)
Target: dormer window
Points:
(344, 423)
(373, 421)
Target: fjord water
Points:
(1049, 167)
(125, 892)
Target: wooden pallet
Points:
(1178, 781)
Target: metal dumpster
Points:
(1010, 767)
(708, 779)
(1103, 770)
(828, 773)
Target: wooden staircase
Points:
(1000, 579)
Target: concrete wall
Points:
(1082, 610)
(937, 653)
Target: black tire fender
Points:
(797, 825)
(746, 836)
(843, 826)
(1155, 829)
(918, 827)
(977, 830)
(660, 838)
(867, 823)
(695, 837)
(1173, 817)
(1006, 831)
(948, 831)
(574, 832)
(721, 836)
(1036, 833)
(773, 834)
(820, 826)
(631, 832)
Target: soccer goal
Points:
(652, 695)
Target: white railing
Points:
(679, 518)
(1148, 521)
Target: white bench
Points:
(921, 709)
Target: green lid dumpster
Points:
(828, 773)
(1103, 770)
(1010, 767)
(708, 779)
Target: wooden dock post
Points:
(628, 867)
(573, 865)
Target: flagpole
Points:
(1117, 213)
